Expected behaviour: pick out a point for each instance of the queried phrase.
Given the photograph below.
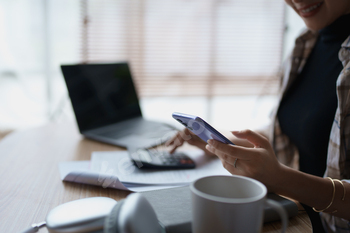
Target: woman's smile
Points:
(310, 10)
(318, 14)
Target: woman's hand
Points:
(186, 136)
(258, 162)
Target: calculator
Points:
(152, 158)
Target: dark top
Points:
(308, 108)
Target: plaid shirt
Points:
(338, 161)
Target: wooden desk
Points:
(30, 185)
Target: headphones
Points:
(133, 215)
(102, 215)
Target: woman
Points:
(313, 117)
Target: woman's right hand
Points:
(186, 136)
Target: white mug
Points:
(230, 204)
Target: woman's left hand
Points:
(259, 163)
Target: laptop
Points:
(106, 106)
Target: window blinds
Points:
(188, 47)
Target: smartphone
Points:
(200, 127)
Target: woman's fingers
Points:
(185, 136)
(235, 168)
(259, 162)
(175, 142)
(226, 150)
(221, 154)
(256, 139)
(172, 140)
(240, 152)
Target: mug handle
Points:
(281, 211)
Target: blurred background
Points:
(219, 59)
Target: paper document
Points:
(118, 163)
(114, 169)
(80, 172)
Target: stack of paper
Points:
(114, 169)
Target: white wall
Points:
(227, 113)
(23, 93)
(32, 46)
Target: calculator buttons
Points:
(149, 158)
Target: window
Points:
(35, 38)
(188, 47)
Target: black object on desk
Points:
(156, 159)
(173, 208)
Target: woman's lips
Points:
(310, 10)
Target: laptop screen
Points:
(101, 94)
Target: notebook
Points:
(106, 106)
(173, 208)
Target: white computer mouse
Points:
(83, 215)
